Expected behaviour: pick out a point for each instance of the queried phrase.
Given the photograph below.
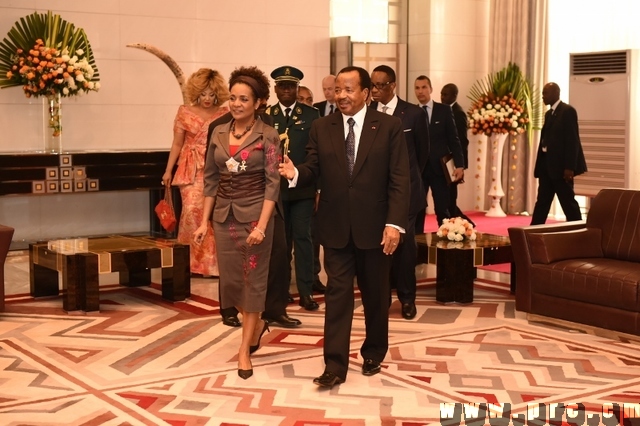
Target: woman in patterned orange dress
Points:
(206, 89)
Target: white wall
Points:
(584, 26)
(139, 97)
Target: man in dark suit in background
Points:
(443, 140)
(560, 158)
(277, 284)
(361, 162)
(416, 134)
(328, 106)
(449, 96)
(292, 120)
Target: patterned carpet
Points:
(142, 361)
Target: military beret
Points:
(287, 73)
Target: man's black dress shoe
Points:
(370, 367)
(328, 380)
(308, 303)
(409, 310)
(231, 321)
(283, 320)
(290, 299)
(318, 287)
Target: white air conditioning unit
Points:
(603, 88)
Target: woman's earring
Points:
(215, 100)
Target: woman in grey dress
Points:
(241, 175)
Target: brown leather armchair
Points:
(6, 234)
(584, 272)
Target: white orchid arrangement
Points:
(456, 229)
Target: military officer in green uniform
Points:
(293, 120)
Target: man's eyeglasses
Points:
(381, 86)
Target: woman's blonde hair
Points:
(206, 78)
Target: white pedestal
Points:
(496, 145)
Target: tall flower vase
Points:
(496, 144)
(52, 118)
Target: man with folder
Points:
(443, 140)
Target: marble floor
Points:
(143, 361)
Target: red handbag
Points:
(165, 212)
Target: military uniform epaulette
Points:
(305, 106)
(274, 110)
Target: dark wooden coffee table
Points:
(456, 262)
(132, 257)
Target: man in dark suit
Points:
(293, 120)
(328, 106)
(277, 282)
(360, 159)
(559, 159)
(449, 96)
(443, 140)
(416, 134)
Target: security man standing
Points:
(293, 120)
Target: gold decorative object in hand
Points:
(285, 139)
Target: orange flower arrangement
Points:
(47, 56)
(50, 57)
(48, 71)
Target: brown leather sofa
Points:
(584, 272)
(6, 234)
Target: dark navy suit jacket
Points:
(416, 134)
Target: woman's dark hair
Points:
(252, 77)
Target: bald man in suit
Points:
(328, 106)
(560, 158)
